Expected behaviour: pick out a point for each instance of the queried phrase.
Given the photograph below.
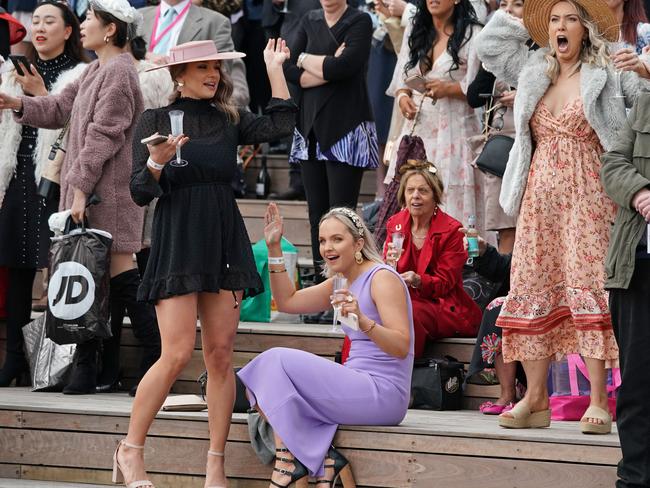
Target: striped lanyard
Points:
(155, 40)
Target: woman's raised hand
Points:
(8, 102)
(276, 53)
(163, 153)
(31, 82)
(273, 226)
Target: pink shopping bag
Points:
(572, 404)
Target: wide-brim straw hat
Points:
(537, 14)
(192, 52)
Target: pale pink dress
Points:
(557, 302)
(445, 128)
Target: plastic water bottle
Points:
(472, 237)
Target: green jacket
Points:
(625, 171)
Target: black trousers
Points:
(19, 309)
(631, 320)
(328, 184)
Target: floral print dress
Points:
(445, 128)
(557, 302)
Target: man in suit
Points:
(180, 21)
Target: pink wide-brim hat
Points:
(192, 52)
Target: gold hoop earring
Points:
(358, 257)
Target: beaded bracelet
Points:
(283, 270)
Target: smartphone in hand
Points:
(19, 61)
(417, 83)
(154, 140)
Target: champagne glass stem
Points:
(178, 155)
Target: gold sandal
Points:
(594, 412)
(520, 417)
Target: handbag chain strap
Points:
(59, 140)
(417, 116)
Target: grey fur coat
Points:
(502, 48)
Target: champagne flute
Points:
(615, 47)
(397, 239)
(339, 282)
(176, 120)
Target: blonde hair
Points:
(594, 48)
(221, 99)
(428, 171)
(358, 230)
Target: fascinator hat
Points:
(537, 14)
(121, 10)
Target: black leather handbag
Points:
(436, 384)
(494, 156)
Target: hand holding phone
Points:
(154, 139)
(417, 83)
(19, 61)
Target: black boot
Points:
(84, 373)
(109, 376)
(142, 315)
(19, 307)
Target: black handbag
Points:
(436, 384)
(241, 404)
(494, 156)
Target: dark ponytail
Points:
(138, 47)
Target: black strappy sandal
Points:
(342, 470)
(299, 470)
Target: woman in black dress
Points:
(24, 232)
(201, 258)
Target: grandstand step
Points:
(253, 338)
(16, 483)
(49, 436)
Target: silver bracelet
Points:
(301, 59)
(153, 165)
(274, 260)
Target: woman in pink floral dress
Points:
(567, 111)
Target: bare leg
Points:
(506, 241)
(598, 380)
(177, 322)
(506, 373)
(219, 320)
(537, 392)
(121, 262)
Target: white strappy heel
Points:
(118, 475)
(216, 454)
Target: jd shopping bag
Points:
(258, 308)
(77, 296)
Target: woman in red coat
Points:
(432, 258)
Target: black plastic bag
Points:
(437, 384)
(78, 291)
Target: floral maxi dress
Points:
(557, 302)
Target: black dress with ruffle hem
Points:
(199, 240)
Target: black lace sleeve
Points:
(144, 187)
(278, 121)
